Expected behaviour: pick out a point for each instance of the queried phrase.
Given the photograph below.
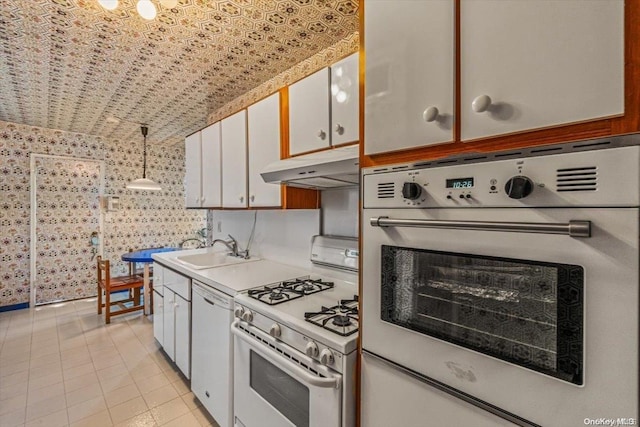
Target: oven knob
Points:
(247, 316)
(238, 312)
(326, 357)
(411, 190)
(275, 330)
(311, 349)
(518, 187)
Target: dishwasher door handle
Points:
(573, 228)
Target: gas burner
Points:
(307, 285)
(277, 294)
(341, 319)
(289, 290)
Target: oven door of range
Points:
(543, 326)
(274, 389)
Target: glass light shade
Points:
(109, 4)
(146, 9)
(143, 184)
(169, 4)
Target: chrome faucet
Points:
(231, 244)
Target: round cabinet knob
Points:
(481, 103)
(247, 316)
(430, 114)
(326, 357)
(518, 187)
(322, 134)
(339, 129)
(411, 190)
(239, 311)
(275, 331)
(311, 349)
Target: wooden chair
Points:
(110, 284)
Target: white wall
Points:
(281, 235)
(340, 212)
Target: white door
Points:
(192, 162)
(234, 160)
(409, 99)
(158, 317)
(66, 222)
(264, 148)
(541, 63)
(309, 113)
(211, 166)
(183, 335)
(169, 324)
(345, 100)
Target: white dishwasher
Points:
(212, 352)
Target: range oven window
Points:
(524, 312)
(283, 392)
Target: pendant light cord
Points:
(144, 130)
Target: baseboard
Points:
(14, 307)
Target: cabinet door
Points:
(345, 101)
(158, 277)
(192, 163)
(409, 88)
(309, 113)
(183, 335)
(264, 148)
(211, 167)
(541, 63)
(234, 160)
(158, 317)
(168, 342)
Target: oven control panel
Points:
(607, 177)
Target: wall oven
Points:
(510, 283)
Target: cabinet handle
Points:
(209, 301)
(430, 114)
(481, 103)
(253, 198)
(203, 199)
(241, 199)
(322, 134)
(339, 129)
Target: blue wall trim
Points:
(14, 307)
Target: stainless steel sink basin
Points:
(211, 260)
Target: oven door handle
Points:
(573, 228)
(291, 368)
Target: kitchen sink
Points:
(211, 260)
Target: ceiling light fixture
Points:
(144, 183)
(145, 8)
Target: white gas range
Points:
(295, 344)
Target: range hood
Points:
(333, 168)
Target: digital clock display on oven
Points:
(460, 183)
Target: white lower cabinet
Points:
(176, 320)
(212, 353)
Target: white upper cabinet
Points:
(409, 88)
(234, 160)
(309, 113)
(193, 180)
(345, 101)
(534, 64)
(211, 171)
(264, 148)
(202, 164)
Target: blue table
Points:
(143, 256)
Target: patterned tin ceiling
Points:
(70, 64)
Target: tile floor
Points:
(60, 365)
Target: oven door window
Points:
(283, 392)
(524, 312)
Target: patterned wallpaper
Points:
(70, 64)
(145, 219)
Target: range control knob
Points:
(518, 187)
(275, 330)
(311, 349)
(239, 311)
(411, 190)
(247, 316)
(326, 357)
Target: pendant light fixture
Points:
(144, 183)
(146, 9)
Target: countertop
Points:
(232, 279)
